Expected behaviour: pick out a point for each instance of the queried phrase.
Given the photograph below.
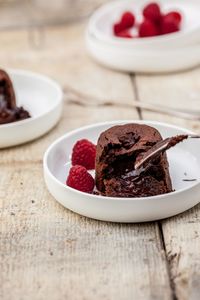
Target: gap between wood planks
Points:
(36, 39)
(75, 97)
(159, 223)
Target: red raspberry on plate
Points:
(152, 12)
(117, 28)
(169, 26)
(127, 20)
(83, 154)
(147, 29)
(173, 16)
(79, 179)
(124, 34)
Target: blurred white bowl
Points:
(184, 158)
(101, 23)
(143, 60)
(42, 97)
(168, 53)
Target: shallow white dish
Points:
(42, 97)
(184, 162)
(147, 61)
(167, 53)
(101, 22)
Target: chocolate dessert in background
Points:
(9, 112)
(118, 149)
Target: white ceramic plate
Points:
(167, 53)
(147, 61)
(184, 162)
(42, 97)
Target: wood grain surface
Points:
(30, 13)
(48, 252)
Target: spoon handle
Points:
(181, 113)
(159, 148)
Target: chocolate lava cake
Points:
(118, 149)
(9, 112)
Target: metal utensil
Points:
(154, 152)
(74, 96)
(188, 114)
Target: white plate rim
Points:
(144, 52)
(41, 115)
(99, 197)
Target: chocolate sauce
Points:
(9, 112)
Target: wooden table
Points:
(48, 252)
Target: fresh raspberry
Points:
(124, 34)
(173, 16)
(147, 29)
(152, 12)
(79, 179)
(117, 28)
(127, 20)
(169, 26)
(83, 154)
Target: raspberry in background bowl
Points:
(154, 22)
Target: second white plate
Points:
(42, 97)
(184, 161)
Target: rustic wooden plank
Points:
(180, 90)
(180, 233)
(182, 241)
(60, 52)
(75, 69)
(48, 252)
(22, 13)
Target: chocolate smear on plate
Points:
(9, 112)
